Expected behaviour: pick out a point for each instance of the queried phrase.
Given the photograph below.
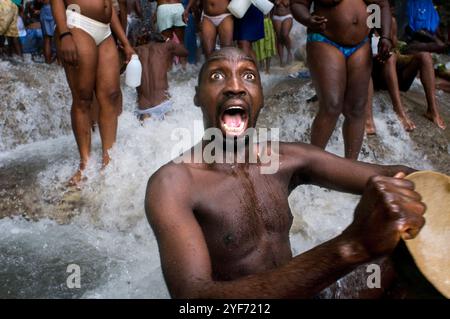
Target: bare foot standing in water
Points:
(91, 62)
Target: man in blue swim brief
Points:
(340, 61)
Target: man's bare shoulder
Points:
(171, 175)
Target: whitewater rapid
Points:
(103, 228)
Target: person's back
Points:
(156, 60)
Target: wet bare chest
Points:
(239, 211)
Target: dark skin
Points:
(282, 29)
(209, 31)
(421, 61)
(47, 43)
(156, 59)
(91, 69)
(227, 234)
(341, 84)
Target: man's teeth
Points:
(234, 129)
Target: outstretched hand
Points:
(389, 209)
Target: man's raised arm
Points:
(312, 165)
(186, 262)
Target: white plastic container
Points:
(238, 8)
(133, 72)
(263, 5)
(375, 41)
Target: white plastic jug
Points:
(263, 5)
(133, 72)
(375, 41)
(238, 8)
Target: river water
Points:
(103, 228)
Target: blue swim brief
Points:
(346, 51)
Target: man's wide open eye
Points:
(249, 76)
(216, 76)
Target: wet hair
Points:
(224, 53)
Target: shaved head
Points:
(227, 53)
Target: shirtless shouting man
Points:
(227, 233)
(91, 62)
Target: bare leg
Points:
(437, 47)
(277, 26)
(428, 80)
(443, 84)
(391, 78)
(329, 75)
(95, 109)
(48, 49)
(246, 46)
(108, 95)
(81, 81)
(225, 30)
(179, 31)
(15, 44)
(359, 67)
(268, 65)
(285, 30)
(208, 34)
(370, 124)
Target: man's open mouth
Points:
(234, 120)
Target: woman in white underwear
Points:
(282, 22)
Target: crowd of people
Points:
(246, 252)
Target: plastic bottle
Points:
(133, 72)
(375, 41)
(265, 6)
(238, 8)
